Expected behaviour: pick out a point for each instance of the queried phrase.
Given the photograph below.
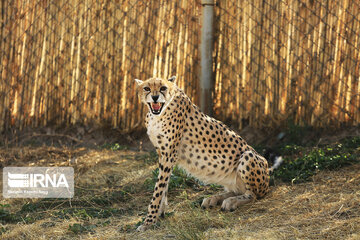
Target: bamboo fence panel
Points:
(295, 60)
(67, 62)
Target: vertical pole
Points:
(206, 49)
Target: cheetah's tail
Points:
(277, 163)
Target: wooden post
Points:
(206, 48)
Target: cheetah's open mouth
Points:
(156, 107)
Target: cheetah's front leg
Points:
(164, 202)
(157, 204)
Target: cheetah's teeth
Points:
(156, 106)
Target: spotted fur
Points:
(203, 146)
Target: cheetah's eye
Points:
(163, 88)
(147, 89)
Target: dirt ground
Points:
(112, 194)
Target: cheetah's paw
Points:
(143, 228)
(211, 202)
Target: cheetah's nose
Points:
(155, 98)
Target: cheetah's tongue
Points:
(156, 106)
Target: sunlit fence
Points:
(280, 60)
(67, 62)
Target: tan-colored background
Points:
(74, 61)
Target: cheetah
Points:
(201, 145)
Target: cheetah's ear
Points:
(172, 79)
(139, 82)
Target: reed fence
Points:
(279, 60)
(68, 62)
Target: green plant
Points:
(308, 162)
(179, 179)
(3, 230)
(6, 216)
(29, 207)
(352, 143)
(114, 146)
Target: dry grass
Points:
(328, 207)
